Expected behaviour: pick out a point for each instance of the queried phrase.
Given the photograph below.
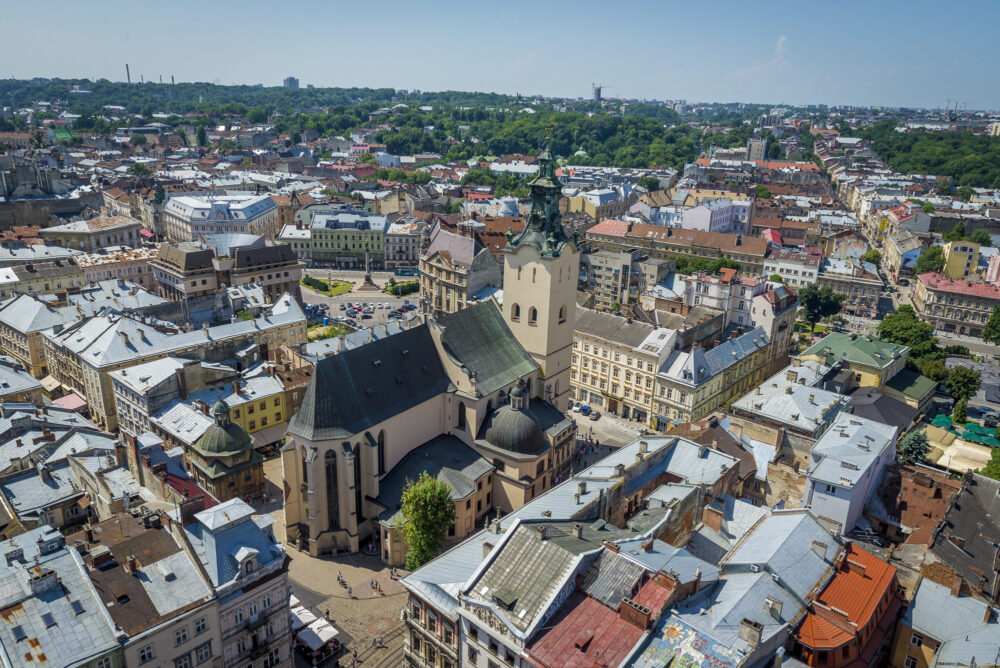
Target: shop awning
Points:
(301, 618)
(269, 435)
(71, 402)
(49, 384)
(318, 634)
(146, 233)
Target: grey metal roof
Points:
(612, 578)
(957, 622)
(527, 571)
(667, 558)
(75, 637)
(446, 458)
(782, 543)
(849, 447)
(15, 380)
(783, 398)
(611, 327)
(222, 531)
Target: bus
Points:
(406, 271)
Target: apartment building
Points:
(795, 268)
(41, 278)
(845, 468)
(858, 281)
(82, 356)
(119, 262)
(775, 310)
(872, 362)
(961, 260)
(666, 243)
(454, 269)
(619, 278)
(94, 234)
(615, 361)
(403, 243)
(343, 236)
(191, 269)
(955, 306)
(299, 238)
(152, 590)
(248, 572)
(900, 253)
(691, 384)
(727, 292)
(188, 217)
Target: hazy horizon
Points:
(854, 53)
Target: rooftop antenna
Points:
(171, 79)
(128, 76)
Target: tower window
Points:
(532, 316)
(515, 313)
(562, 314)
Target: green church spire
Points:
(544, 228)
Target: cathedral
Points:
(476, 398)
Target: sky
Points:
(876, 52)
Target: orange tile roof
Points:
(851, 593)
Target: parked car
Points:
(584, 410)
(395, 315)
(366, 316)
(594, 415)
(343, 308)
(352, 323)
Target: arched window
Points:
(332, 500)
(532, 316)
(515, 313)
(562, 314)
(381, 452)
(461, 415)
(534, 271)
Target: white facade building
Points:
(845, 468)
(188, 216)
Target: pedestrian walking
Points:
(374, 638)
(350, 594)
(380, 641)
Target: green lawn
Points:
(331, 288)
(320, 332)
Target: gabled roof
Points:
(359, 388)
(479, 339)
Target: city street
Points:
(361, 616)
(608, 429)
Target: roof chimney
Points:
(578, 531)
(540, 531)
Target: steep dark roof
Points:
(359, 388)
(879, 407)
(969, 532)
(446, 458)
(479, 339)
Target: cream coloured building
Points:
(615, 363)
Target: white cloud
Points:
(779, 48)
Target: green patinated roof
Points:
(544, 230)
(479, 339)
(912, 384)
(860, 350)
(223, 440)
(215, 468)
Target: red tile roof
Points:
(855, 590)
(587, 634)
(192, 489)
(935, 281)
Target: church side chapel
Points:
(476, 398)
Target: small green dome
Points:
(225, 439)
(220, 408)
(515, 430)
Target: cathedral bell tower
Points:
(541, 269)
